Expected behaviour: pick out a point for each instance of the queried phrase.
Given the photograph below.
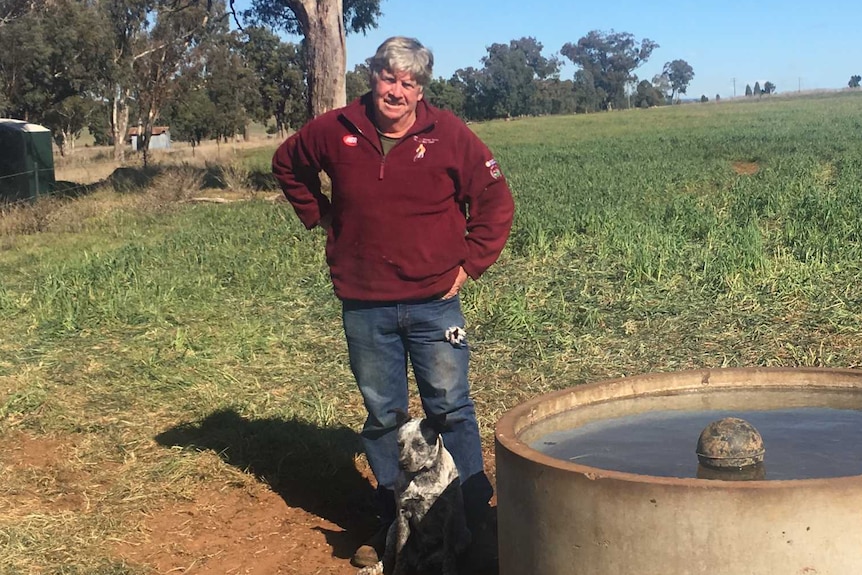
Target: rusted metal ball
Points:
(728, 443)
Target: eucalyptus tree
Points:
(589, 97)
(50, 60)
(278, 67)
(471, 82)
(178, 28)
(679, 74)
(661, 83)
(609, 59)
(11, 10)
(149, 41)
(127, 25)
(232, 87)
(648, 96)
(445, 94)
(322, 25)
(554, 96)
(24, 66)
(78, 58)
(511, 73)
(357, 81)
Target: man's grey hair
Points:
(405, 55)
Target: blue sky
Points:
(793, 44)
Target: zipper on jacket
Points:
(379, 147)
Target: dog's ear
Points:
(401, 416)
(437, 422)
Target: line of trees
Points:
(768, 88)
(103, 64)
(108, 64)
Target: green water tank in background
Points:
(26, 161)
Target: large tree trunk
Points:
(119, 122)
(323, 26)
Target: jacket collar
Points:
(360, 113)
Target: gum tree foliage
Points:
(855, 81)
(471, 82)
(127, 27)
(768, 88)
(149, 41)
(322, 25)
(445, 94)
(190, 116)
(357, 81)
(179, 30)
(24, 56)
(508, 83)
(11, 10)
(280, 78)
(610, 59)
(231, 86)
(78, 58)
(680, 74)
(511, 75)
(553, 96)
(647, 95)
(50, 60)
(661, 82)
(588, 96)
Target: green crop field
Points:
(703, 235)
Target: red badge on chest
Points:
(350, 140)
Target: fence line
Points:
(7, 203)
(21, 173)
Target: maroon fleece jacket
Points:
(403, 223)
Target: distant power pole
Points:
(799, 89)
(734, 87)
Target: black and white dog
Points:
(430, 527)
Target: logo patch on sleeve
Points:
(494, 169)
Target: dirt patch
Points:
(238, 531)
(746, 168)
(229, 528)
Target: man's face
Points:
(395, 97)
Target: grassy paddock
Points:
(151, 335)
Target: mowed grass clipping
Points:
(165, 346)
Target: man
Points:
(418, 205)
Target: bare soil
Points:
(217, 530)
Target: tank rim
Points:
(507, 435)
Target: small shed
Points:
(160, 138)
(26, 160)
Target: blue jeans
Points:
(381, 339)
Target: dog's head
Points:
(419, 441)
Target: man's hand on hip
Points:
(456, 287)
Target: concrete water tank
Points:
(557, 516)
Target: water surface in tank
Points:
(800, 442)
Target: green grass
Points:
(648, 240)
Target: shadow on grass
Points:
(310, 467)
